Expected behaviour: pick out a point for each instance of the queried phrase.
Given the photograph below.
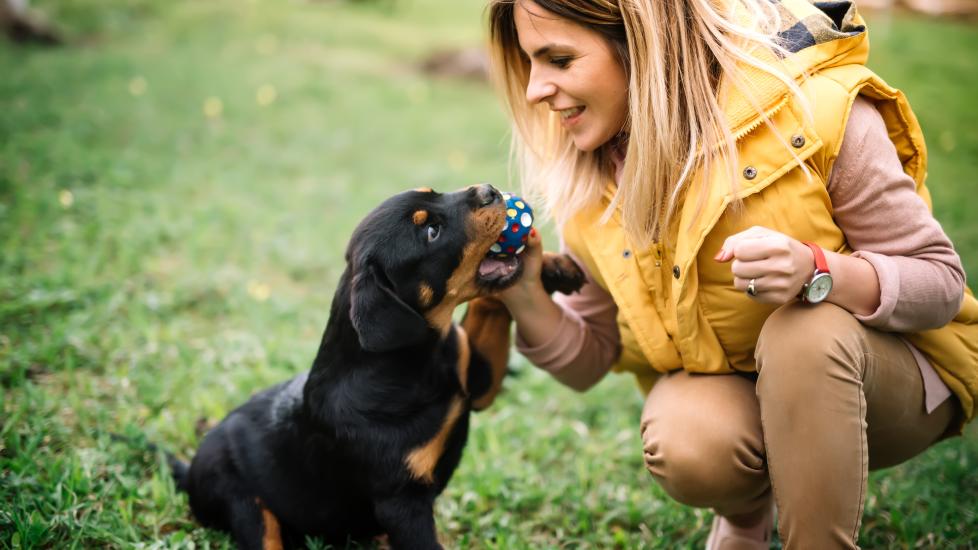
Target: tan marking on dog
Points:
(421, 461)
(420, 217)
(464, 357)
(424, 190)
(425, 295)
(487, 327)
(459, 288)
(272, 534)
(484, 227)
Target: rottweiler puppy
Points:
(359, 446)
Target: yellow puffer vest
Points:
(678, 308)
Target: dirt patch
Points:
(466, 63)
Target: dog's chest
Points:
(442, 449)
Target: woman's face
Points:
(575, 72)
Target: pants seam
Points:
(769, 463)
(864, 467)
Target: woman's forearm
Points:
(535, 313)
(855, 285)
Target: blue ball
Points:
(519, 222)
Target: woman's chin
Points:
(587, 143)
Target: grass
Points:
(176, 190)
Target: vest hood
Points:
(816, 35)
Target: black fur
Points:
(326, 452)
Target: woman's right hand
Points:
(536, 315)
(529, 285)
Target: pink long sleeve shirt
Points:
(920, 275)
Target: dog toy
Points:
(519, 222)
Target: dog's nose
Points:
(487, 195)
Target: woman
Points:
(748, 200)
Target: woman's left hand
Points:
(778, 264)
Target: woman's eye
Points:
(433, 232)
(561, 62)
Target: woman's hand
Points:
(778, 264)
(537, 316)
(529, 283)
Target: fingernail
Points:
(533, 232)
(719, 256)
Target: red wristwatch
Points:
(818, 288)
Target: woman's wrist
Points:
(534, 311)
(523, 297)
(856, 286)
(806, 262)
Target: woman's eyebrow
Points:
(545, 50)
(542, 50)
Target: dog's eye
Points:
(433, 232)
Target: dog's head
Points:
(417, 256)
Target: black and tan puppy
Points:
(362, 444)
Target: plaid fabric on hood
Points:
(817, 23)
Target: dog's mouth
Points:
(499, 273)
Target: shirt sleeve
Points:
(886, 223)
(586, 342)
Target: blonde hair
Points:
(674, 53)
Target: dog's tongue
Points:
(495, 267)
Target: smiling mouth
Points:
(569, 114)
(499, 273)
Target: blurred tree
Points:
(470, 63)
(20, 24)
(964, 8)
(944, 7)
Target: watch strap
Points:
(821, 264)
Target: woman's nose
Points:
(539, 89)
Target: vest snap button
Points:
(675, 271)
(750, 172)
(626, 254)
(798, 141)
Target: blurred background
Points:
(178, 181)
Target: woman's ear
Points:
(382, 320)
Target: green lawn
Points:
(176, 190)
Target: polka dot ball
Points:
(519, 222)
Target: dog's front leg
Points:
(252, 525)
(487, 326)
(409, 522)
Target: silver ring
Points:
(751, 289)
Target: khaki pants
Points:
(832, 400)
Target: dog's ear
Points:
(382, 320)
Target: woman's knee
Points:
(801, 342)
(705, 463)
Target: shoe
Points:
(727, 536)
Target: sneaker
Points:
(727, 536)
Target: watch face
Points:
(819, 288)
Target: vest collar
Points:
(816, 36)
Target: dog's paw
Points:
(561, 274)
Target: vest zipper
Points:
(768, 115)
